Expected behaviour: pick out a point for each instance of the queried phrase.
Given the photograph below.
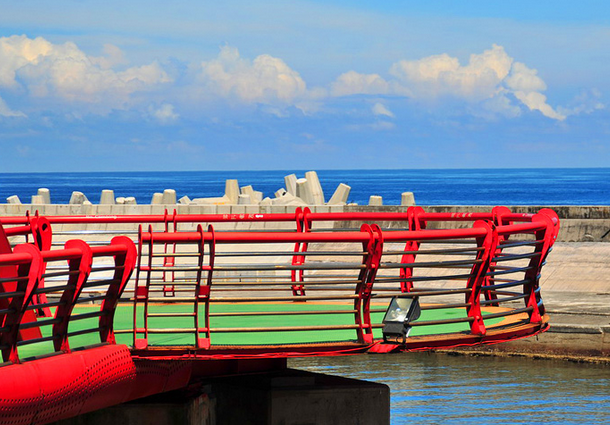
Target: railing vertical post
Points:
(124, 264)
(79, 268)
(498, 214)
(477, 276)
(28, 277)
(303, 226)
(141, 290)
(415, 222)
(42, 235)
(545, 238)
(373, 249)
(204, 290)
(169, 261)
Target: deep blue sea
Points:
(574, 186)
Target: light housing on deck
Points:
(401, 311)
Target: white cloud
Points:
(164, 114)
(485, 81)
(63, 71)
(442, 75)
(266, 79)
(492, 84)
(354, 83)
(584, 103)
(5, 111)
(380, 109)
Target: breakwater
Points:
(578, 223)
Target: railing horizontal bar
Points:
(101, 282)
(450, 251)
(289, 253)
(66, 272)
(282, 313)
(503, 300)
(82, 316)
(292, 298)
(11, 294)
(443, 306)
(37, 340)
(514, 244)
(49, 289)
(504, 285)
(94, 232)
(427, 278)
(13, 279)
(506, 313)
(84, 331)
(427, 293)
(511, 257)
(43, 305)
(284, 329)
(39, 323)
(509, 271)
(83, 300)
(287, 282)
(431, 264)
(172, 314)
(309, 266)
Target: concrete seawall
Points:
(578, 223)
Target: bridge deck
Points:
(237, 340)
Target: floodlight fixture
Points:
(403, 310)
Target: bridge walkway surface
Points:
(97, 311)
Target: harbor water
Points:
(544, 186)
(431, 388)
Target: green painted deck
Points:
(124, 321)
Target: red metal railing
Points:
(210, 293)
(479, 272)
(81, 270)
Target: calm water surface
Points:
(429, 388)
(576, 186)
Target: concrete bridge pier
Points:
(283, 397)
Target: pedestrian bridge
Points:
(99, 310)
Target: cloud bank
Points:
(489, 79)
(36, 71)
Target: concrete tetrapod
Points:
(315, 188)
(169, 196)
(291, 184)
(46, 195)
(341, 195)
(375, 200)
(77, 198)
(107, 197)
(232, 190)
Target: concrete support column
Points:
(282, 397)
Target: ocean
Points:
(543, 186)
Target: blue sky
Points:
(152, 85)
